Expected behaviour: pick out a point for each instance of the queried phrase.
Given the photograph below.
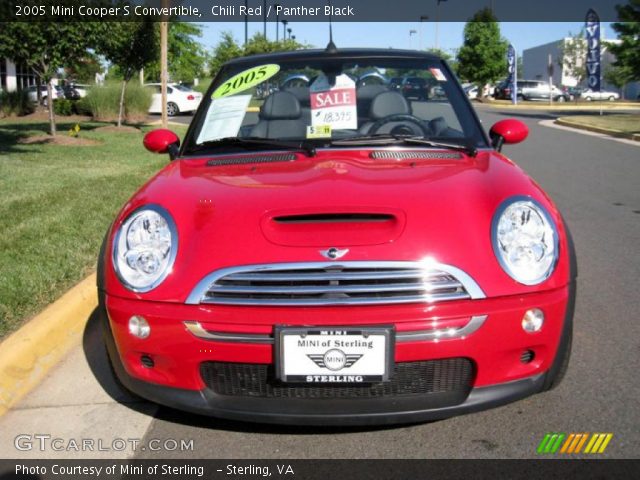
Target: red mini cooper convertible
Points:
(328, 251)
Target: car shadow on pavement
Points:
(95, 352)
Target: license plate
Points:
(334, 354)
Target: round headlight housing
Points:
(144, 248)
(525, 240)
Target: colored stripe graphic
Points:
(573, 443)
(598, 443)
(550, 443)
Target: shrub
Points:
(103, 102)
(203, 85)
(15, 103)
(137, 101)
(63, 106)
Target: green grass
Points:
(625, 123)
(57, 203)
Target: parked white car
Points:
(179, 99)
(32, 92)
(471, 91)
(590, 95)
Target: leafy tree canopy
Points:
(228, 48)
(628, 51)
(483, 56)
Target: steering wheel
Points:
(399, 117)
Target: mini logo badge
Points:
(334, 359)
(334, 253)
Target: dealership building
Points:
(535, 61)
(14, 77)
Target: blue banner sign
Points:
(592, 27)
(512, 72)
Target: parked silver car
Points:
(539, 90)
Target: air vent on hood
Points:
(417, 155)
(335, 218)
(279, 157)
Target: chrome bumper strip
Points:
(415, 336)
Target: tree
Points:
(226, 50)
(618, 76)
(45, 47)
(130, 46)
(573, 52)
(483, 56)
(186, 57)
(627, 52)
(84, 69)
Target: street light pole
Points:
(246, 23)
(264, 19)
(284, 29)
(422, 19)
(164, 35)
(277, 23)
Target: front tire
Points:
(172, 109)
(588, 99)
(612, 99)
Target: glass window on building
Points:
(24, 77)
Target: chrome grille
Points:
(330, 283)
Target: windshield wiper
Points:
(308, 148)
(391, 139)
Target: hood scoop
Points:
(335, 218)
(337, 227)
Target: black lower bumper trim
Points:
(394, 410)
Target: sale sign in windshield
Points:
(335, 105)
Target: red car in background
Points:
(315, 264)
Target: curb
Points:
(605, 131)
(28, 354)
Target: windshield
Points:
(327, 101)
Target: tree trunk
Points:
(38, 92)
(121, 112)
(52, 118)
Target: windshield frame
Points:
(458, 99)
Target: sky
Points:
(523, 35)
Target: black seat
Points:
(384, 105)
(280, 117)
(364, 96)
(304, 97)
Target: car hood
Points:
(242, 210)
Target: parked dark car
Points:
(415, 87)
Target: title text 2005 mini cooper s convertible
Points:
(324, 250)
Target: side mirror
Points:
(507, 131)
(162, 141)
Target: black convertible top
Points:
(339, 54)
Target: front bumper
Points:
(495, 349)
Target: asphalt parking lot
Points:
(596, 184)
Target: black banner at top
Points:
(301, 10)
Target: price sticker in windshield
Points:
(245, 80)
(334, 105)
(319, 131)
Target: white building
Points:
(536, 59)
(14, 77)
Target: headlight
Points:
(144, 248)
(525, 240)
